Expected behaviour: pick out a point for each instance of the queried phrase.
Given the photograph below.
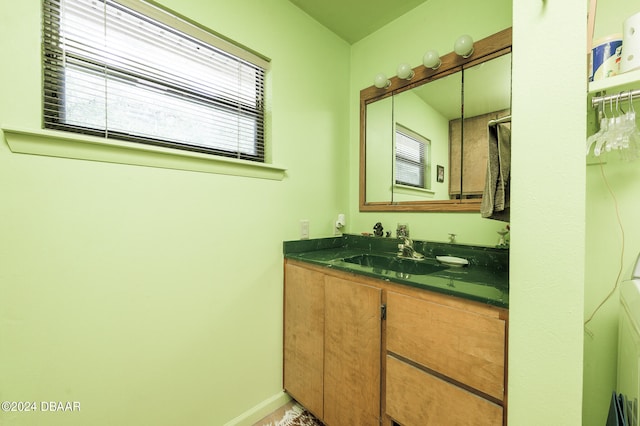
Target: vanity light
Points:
(381, 81)
(464, 46)
(431, 59)
(405, 72)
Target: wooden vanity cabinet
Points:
(435, 359)
(332, 341)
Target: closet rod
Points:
(622, 96)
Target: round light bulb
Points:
(464, 46)
(381, 81)
(431, 59)
(405, 72)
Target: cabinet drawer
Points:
(465, 346)
(416, 398)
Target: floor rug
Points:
(297, 416)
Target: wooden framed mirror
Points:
(414, 155)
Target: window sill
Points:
(412, 190)
(52, 143)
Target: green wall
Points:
(612, 248)
(153, 296)
(548, 210)
(612, 245)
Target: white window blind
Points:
(128, 70)
(411, 158)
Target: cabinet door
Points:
(304, 337)
(462, 345)
(417, 398)
(352, 353)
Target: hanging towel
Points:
(496, 197)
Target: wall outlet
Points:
(304, 229)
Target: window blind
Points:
(128, 70)
(411, 159)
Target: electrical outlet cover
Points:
(304, 229)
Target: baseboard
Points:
(261, 410)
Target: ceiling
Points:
(353, 20)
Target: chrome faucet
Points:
(406, 249)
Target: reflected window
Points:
(411, 158)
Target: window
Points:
(128, 70)
(412, 163)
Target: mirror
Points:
(417, 151)
(421, 140)
(379, 152)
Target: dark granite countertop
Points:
(485, 279)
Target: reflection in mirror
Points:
(487, 96)
(379, 150)
(421, 116)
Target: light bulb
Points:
(431, 59)
(464, 46)
(381, 81)
(405, 72)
